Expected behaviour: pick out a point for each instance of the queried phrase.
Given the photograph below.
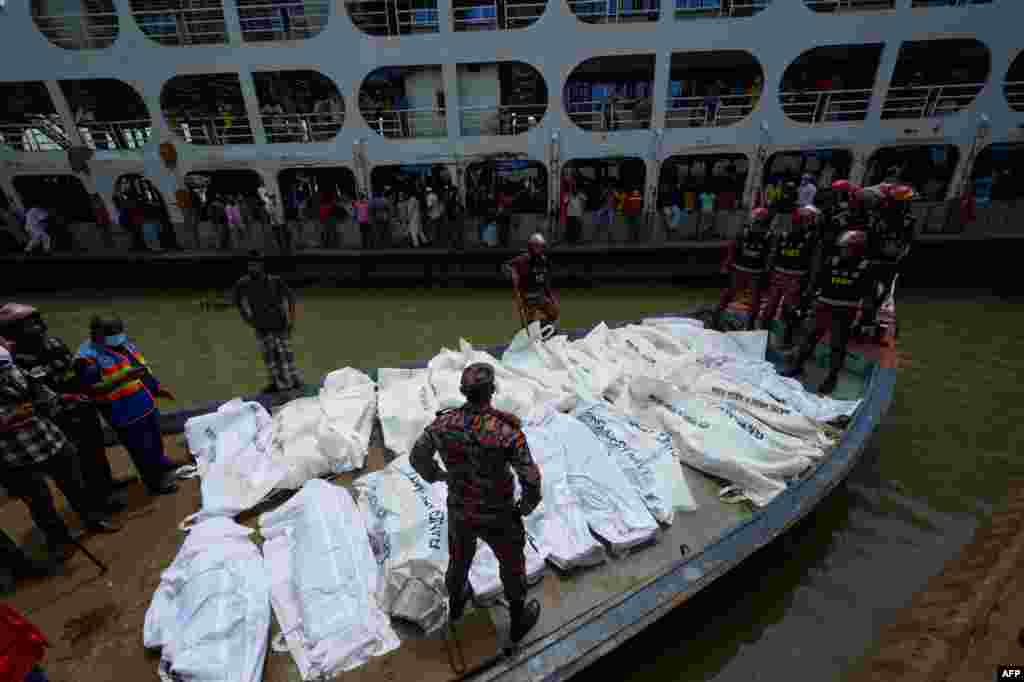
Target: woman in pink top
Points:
(361, 210)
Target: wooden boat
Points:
(588, 614)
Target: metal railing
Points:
(113, 135)
(499, 119)
(27, 137)
(83, 31)
(826, 106)
(317, 127)
(491, 17)
(407, 123)
(928, 100)
(850, 5)
(701, 9)
(200, 24)
(390, 19)
(294, 20)
(1014, 91)
(707, 112)
(595, 115)
(949, 3)
(614, 11)
(212, 130)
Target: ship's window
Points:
(615, 11)
(270, 20)
(712, 88)
(830, 84)
(109, 113)
(77, 24)
(299, 106)
(393, 17)
(28, 120)
(843, 6)
(713, 9)
(936, 78)
(998, 173)
(687, 181)
(63, 195)
(181, 22)
(496, 15)
(335, 186)
(505, 98)
(1013, 88)
(211, 192)
(596, 177)
(206, 109)
(611, 93)
(950, 3)
(824, 165)
(927, 168)
(524, 181)
(138, 201)
(404, 102)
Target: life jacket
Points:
(845, 282)
(634, 204)
(752, 250)
(793, 252)
(122, 402)
(22, 645)
(538, 271)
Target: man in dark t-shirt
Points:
(267, 305)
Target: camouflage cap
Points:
(479, 374)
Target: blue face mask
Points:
(117, 340)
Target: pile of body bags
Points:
(608, 418)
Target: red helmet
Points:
(12, 312)
(760, 216)
(853, 243)
(845, 186)
(806, 215)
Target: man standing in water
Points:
(267, 305)
(481, 447)
(531, 282)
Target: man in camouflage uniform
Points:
(480, 447)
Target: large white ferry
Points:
(723, 97)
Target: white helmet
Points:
(537, 238)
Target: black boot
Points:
(797, 368)
(829, 384)
(524, 616)
(457, 604)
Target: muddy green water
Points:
(806, 608)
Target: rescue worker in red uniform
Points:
(843, 285)
(891, 228)
(531, 282)
(792, 259)
(481, 447)
(748, 258)
(844, 212)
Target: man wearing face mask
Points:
(120, 384)
(531, 282)
(267, 305)
(46, 359)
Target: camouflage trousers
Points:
(506, 537)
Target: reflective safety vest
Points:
(793, 252)
(121, 401)
(752, 250)
(845, 282)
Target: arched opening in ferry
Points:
(207, 109)
(29, 121)
(850, 6)
(998, 177)
(404, 102)
(496, 15)
(181, 22)
(226, 211)
(712, 89)
(406, 194)
(502, 98)
(394, 17)
(317, 205)
(616, 11)
(713, 9)
(276, 21)
(1013, 88)
(612, 211)
(71, 216)
(142, 214)
(927, 168)
(825, 166)
(830, 84)
(611, 93)
(109, 113)
(698, 194)
(299, 106)
(507, 198)
(936, 78)
(76, 24)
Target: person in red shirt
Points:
(531, 281)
